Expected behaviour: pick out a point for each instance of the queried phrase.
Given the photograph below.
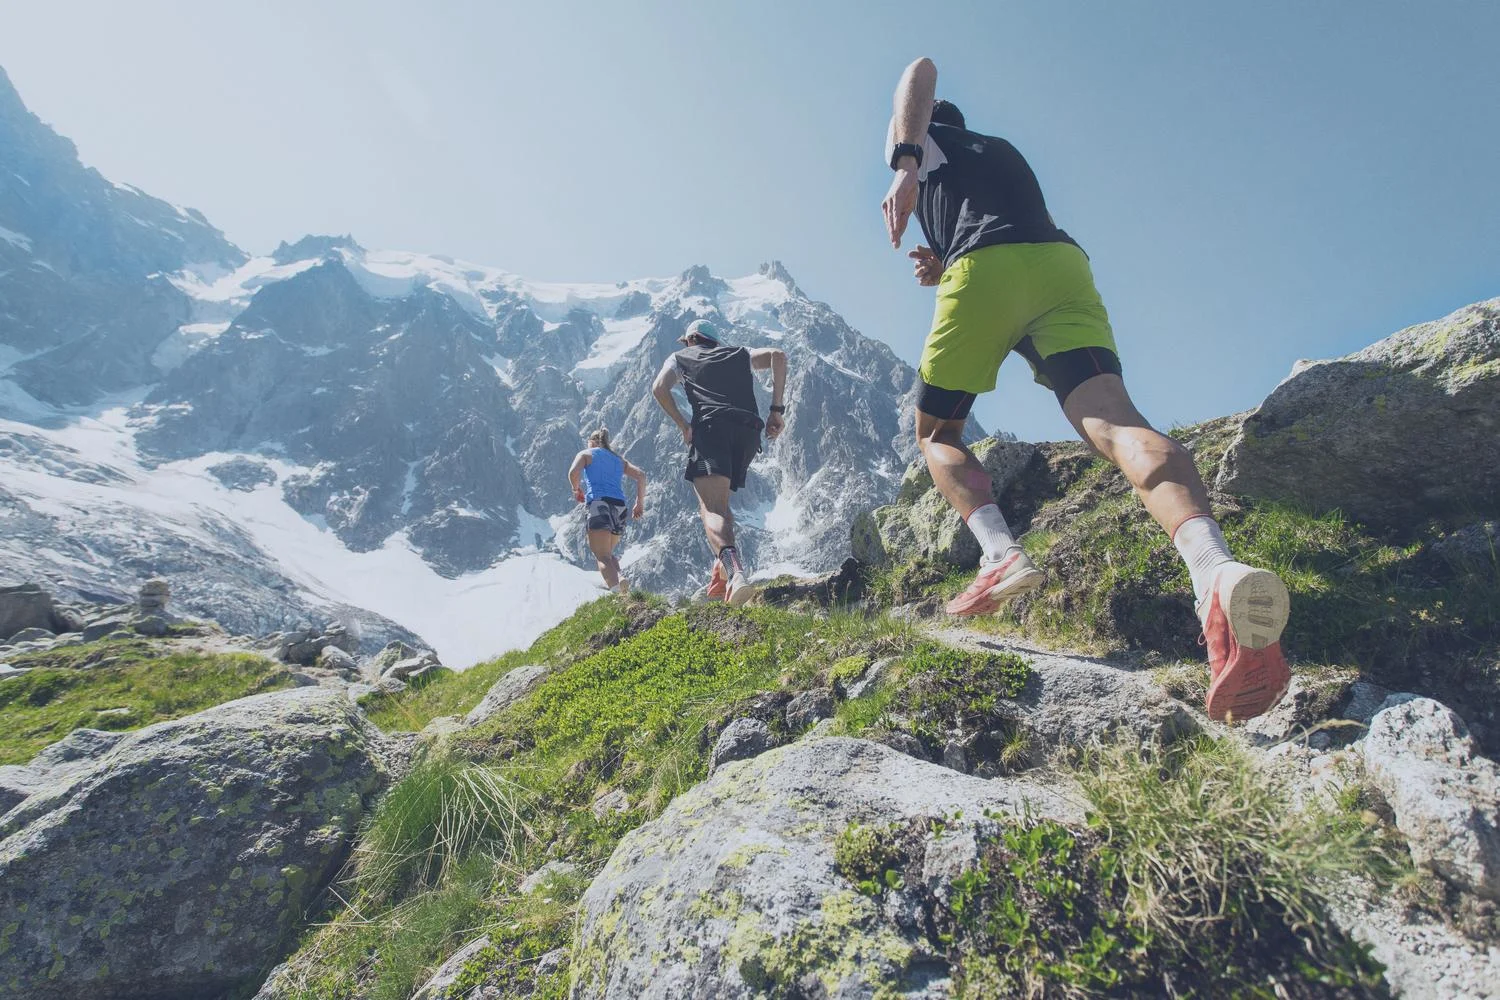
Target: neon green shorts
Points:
(1037, 299)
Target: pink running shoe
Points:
(1013, 576)
(1242, 621)
(718, 587)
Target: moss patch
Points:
(45, 704)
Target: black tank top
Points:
(718, 382)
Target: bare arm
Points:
(661, 390)
(575, 473)
(773, 358)
(910, 116)
(639, 475)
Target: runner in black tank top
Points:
(722, 436)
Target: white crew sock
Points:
(1202, 547)
(989, 526)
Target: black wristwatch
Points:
(905, 149)
(778, 409)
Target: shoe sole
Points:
(1256, 604)
(740, 596)
(1252, 685)
(1008, 589)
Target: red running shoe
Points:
(718, 587)
(1242, 621)
(1011, 577)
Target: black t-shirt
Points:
(976, 191)
(718, 382)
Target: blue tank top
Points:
(603, 476)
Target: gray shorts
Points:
(607, 514)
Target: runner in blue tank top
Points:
(597, 477)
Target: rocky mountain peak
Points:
(313, 246)
(776, 271)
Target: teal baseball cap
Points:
(702, 328)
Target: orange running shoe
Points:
(718, 587)
(1242, 621)
(1011, 577)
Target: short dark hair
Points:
(947, 113)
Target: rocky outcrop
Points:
(179, 859)
(28, 606)
(1446, 798)
(732, 892)
(509, 689)
(1401, 432)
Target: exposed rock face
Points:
(1445, 796)
(1401, 432)
(733, 887)
(178, 860)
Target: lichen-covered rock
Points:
(1446, 797)
(181, 859)
(1404, 431)
(505, 692)
(740, 740)
(732, 892)
(921, 524)
(1068, 704)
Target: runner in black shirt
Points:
(723, 436)
(1009, 280)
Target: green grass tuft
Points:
(445, 811)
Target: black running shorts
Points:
(607, 514)
(722, 447)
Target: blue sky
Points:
(1255, 182)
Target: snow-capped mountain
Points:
(330, 428)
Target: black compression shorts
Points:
(1064, 372)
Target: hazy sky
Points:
(1255, 182)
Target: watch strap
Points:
(905, 149)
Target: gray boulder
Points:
(24, 606)
(436, 987)
(152, 625)
(809, 707)
(102, 628)
(1406, 430)
(733, 888)
(412, 667)
(505, 692)
(1446, 797)
(30, 635)
(1071, 703)
(334, 658)
(740, 740)
(181, 860)
(394, 652)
